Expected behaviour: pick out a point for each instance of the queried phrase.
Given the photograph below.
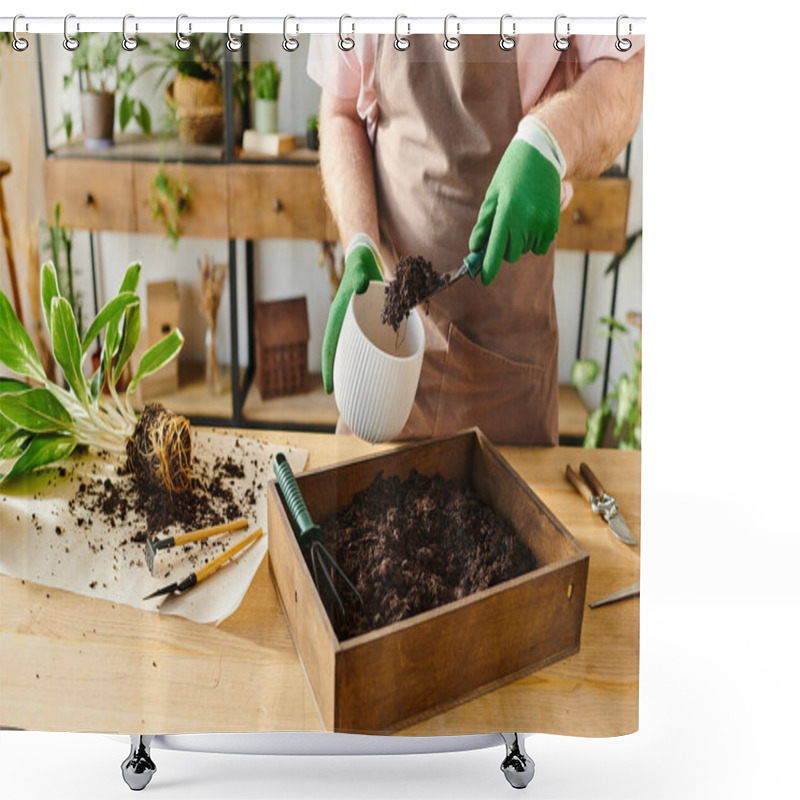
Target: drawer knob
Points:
(577, 216)
(89, 199)
(277, 205)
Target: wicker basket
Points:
(282, 335)
(191, 93)
(197, 124)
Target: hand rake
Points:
(323, 565)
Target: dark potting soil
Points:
(209, 501)
(415, 545)
(415, 278)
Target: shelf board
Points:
(192, 399)
(138, 147)
(314, 408)
(572, 412)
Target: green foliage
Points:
(266, 78)
(627, 433)
(58, 245)
(312, 123)
(96, 63)
(200, 61)
(42, 422)
(169, 199)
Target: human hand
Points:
(362, 264)
(521, 210)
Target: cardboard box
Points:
(268, 144)
(390, 678)
(163, 316)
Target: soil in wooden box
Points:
(414, 545)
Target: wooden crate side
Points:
(327, 490)
(308, 622)
(500, 487)
(414, 671)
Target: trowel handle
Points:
(474, 262)
(294, 499)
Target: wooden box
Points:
(163, 316)
(282, 334)
(392, 677)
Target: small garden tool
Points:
(471, 266)
(323, 565)
(201, 573)
(152, 546)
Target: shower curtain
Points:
(172, 209)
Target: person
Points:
(437, 153)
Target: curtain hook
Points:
(181, 42)
(346, 42)
(507, 42)
(19, 44)
(451, 42)
(560, 43)
(401, 42)
(233, 44)
(290, 44)
(70, 42)
(623, 45)
(129, 43)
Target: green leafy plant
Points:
(312, 123)
(41, 422)
(58, 245)
(169, 199)
(200, 61)
(266, 78)
(96, 63)
(627, 417)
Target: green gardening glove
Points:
(362, 264)
(522, 206)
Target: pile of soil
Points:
(415, 545)
(208, 501)
(415, 278)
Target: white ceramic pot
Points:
(265, 114)
(376, 371)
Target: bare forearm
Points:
(596, 118)
(347, 170)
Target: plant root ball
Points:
(160, 451)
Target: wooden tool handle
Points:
(578, 484)
(205, 533)
(209, 569)
(591, 479)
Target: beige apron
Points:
(445, 119)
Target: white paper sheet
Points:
(47, 534)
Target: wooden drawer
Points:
(94, 194)
(278, 202)
(207, 213)
(597, 217)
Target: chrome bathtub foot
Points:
(138, 768)
(517, 766)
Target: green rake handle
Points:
(309, 531)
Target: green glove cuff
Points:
(362, 264)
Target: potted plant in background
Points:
(266, 87)
(312, 133)
(96, 63)
(195, 92)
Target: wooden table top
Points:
(74, 663)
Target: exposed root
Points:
(160, 451)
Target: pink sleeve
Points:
(336, 71)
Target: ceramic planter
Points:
(98, 119)
(266, 115)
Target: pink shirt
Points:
(351, 74)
